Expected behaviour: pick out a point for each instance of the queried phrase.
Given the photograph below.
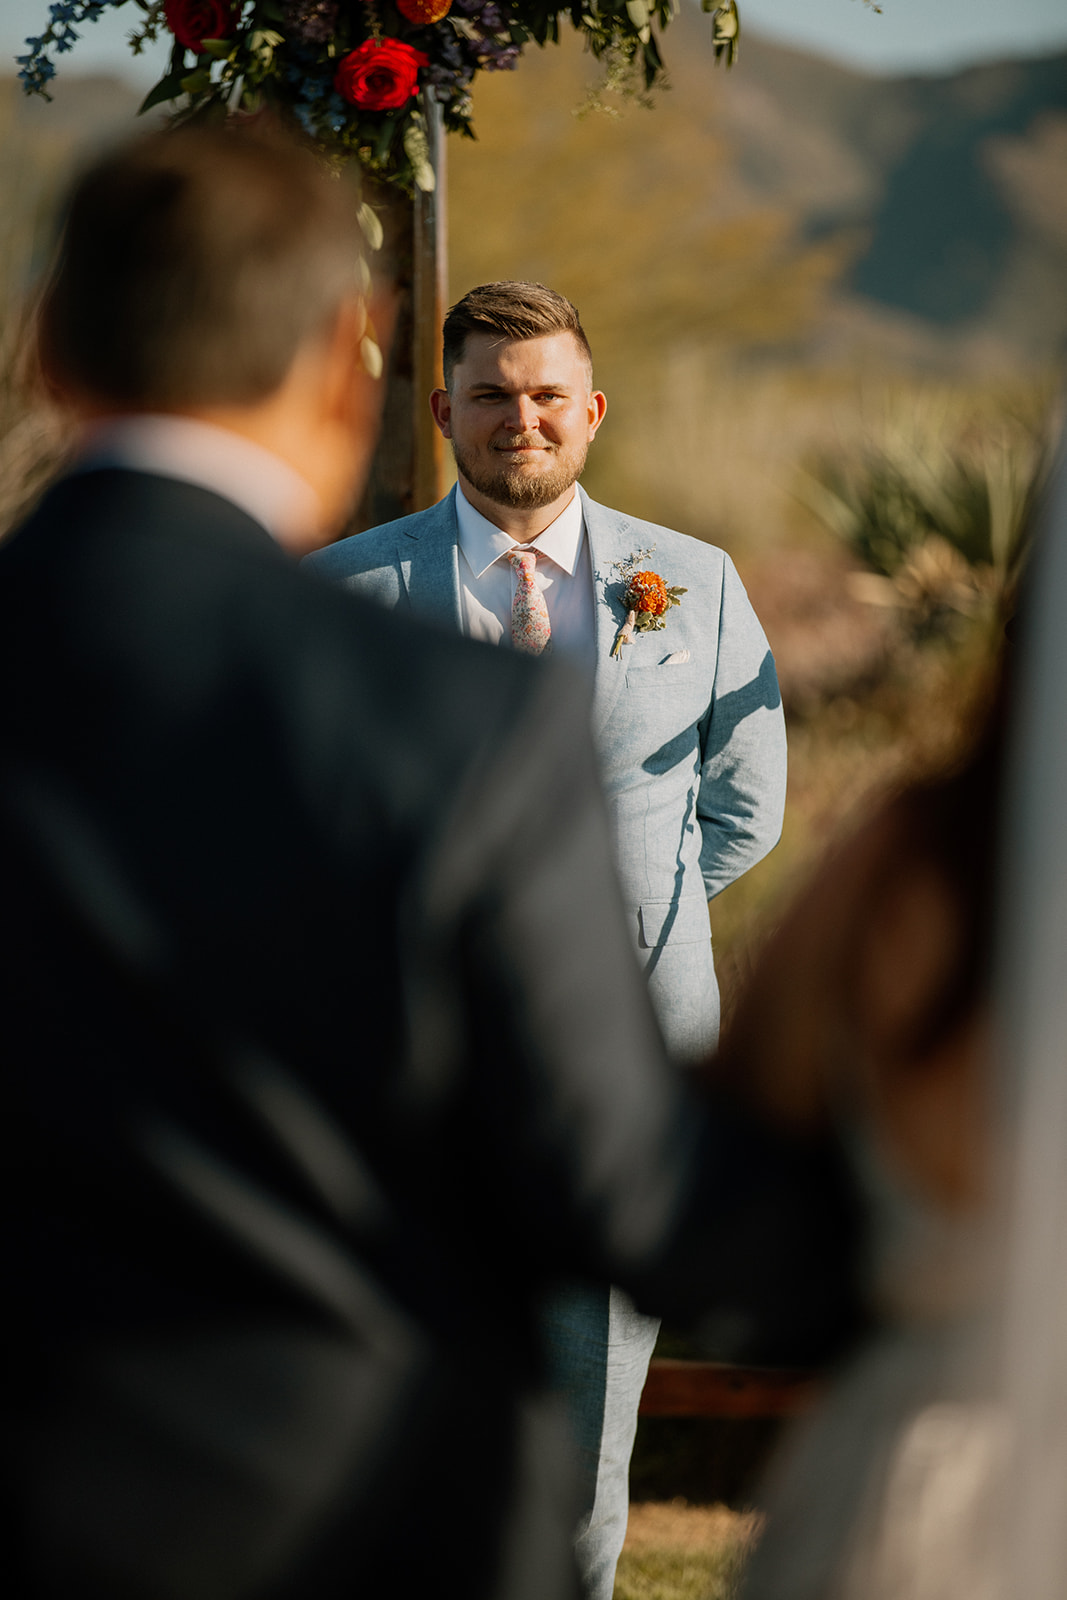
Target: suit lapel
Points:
(607, 534)
(428, 556)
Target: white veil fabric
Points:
(1032, 1010)
(936, 1466)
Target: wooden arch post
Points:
(408, 473)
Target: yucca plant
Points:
(938, 509)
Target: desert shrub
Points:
(937, 507)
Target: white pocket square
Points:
(677, 658)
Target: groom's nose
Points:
(521, 414)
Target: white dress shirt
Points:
(564, 574)
(251, 477)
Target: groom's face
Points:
(521, 415)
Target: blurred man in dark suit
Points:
(303, 905)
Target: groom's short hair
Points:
(510, 309)
(193, 264)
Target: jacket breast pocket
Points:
(673, 922)
(661, 675)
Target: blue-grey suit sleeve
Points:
(741, 797)
(365, 564)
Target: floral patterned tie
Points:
(531, 630)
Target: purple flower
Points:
(311, 21)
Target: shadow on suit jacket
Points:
(325, 1057)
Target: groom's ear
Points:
(441, 406)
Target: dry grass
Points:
(676, 1551)
(33, 164)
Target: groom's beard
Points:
(517, 483)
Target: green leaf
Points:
(726, 32)
(370, 224)
(417, 150)
(196, 82)
(653, 61)
(168, 88)
(385, 138)
(371, 356)
(638, 13)
(221, 49)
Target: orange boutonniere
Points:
(645, 595)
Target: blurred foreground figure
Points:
(920, 987)
(308, 1106)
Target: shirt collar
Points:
(249, 476)
(483, 543)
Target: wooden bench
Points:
(713, 1389)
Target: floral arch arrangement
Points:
(356, 74)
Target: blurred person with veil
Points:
(916, 995)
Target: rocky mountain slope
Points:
(789, 199)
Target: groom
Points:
(687, 721)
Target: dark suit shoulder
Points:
(115, 504)
(423, 688)
(145, 615)
(454, 691)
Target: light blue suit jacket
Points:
(692, 755)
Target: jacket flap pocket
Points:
(673, 922)
(662, 673)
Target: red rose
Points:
(193, 21)
(380, 75)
